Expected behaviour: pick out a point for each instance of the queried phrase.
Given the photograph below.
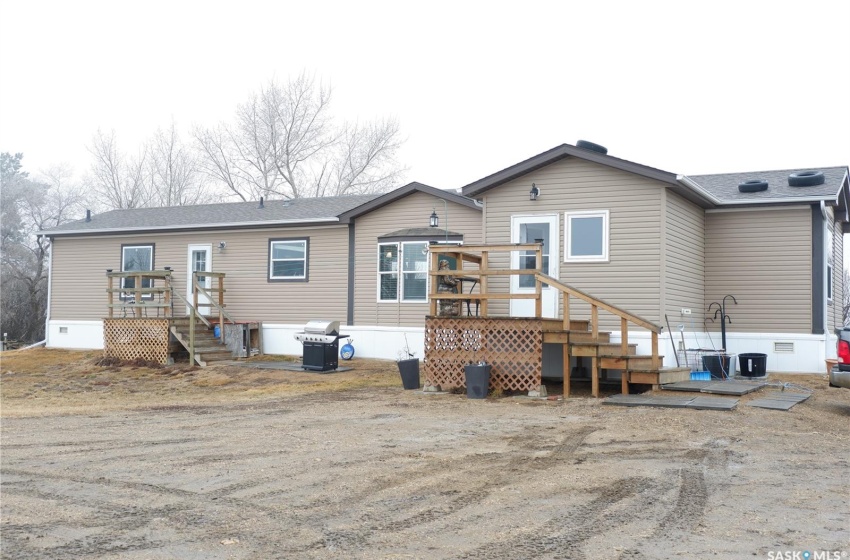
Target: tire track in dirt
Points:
(501, 472)
(563, 536)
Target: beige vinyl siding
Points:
(409, 212)
(763, 257)
(79, 266)
(631, 278)
(684, 261)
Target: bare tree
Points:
(37, 205)
(173, 173)
(117, 182)
(284, 143)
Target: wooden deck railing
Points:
(595, 305)
(139, 300)
(480, 255)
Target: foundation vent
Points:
(786, 347)
(63, 330)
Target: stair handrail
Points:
(611, 308)
(595, 304)
(192, 307)
(212, 303)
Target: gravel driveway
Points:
(387, 473)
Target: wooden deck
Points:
(451, 342)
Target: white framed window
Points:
(586, 236)
(136, 258)
(403, 272)
(288, 260)
(388, 272)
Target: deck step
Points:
(632, 363)
(659, 377)
(574, 337)
(608, 349)
(558, 325)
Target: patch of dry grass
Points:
(44, 381)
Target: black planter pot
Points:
(477, 380)
(409, 370)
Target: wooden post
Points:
(109, 291)
(137, 296)
(566, 311)
(624, 329)
(594, 319)
(167, 296)
(566, 370)
(482, 282)
(538, 285)
(624, 350)
(594, 382)
(192, 335)
(655, 364)
(194, 290)
(220, 309)
(435, 280)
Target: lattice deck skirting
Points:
(131, 339)
(513, 346)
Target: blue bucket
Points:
(217, 331)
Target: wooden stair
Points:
(604, 354)
(208, 348)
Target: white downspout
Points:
(825, 279)
(49, 289)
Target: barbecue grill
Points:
(321, 345)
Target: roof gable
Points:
(402, 192)
(555, 154)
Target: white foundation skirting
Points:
(796, 353)
(75, 335)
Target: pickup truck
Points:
(840, 374)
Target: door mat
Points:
(697, 403)
(780, 400)
(736, 388)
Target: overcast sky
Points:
(687, 87)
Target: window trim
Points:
(306, 259)
(388, 272)
(126, 296)
(400, 272)
(606, 227)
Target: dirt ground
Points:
(230, 462)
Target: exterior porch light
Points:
(534, 192)
(435, 220)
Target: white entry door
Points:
(530, 229)
(200, 260)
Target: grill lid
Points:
(322, 327)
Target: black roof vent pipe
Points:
(261, 203)
(88, 215)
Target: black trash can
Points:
(409, 370)
(717, 364)
(477, 380)
(753, 365)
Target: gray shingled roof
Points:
(725, 186)
(226, 215)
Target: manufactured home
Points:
(662, 245)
